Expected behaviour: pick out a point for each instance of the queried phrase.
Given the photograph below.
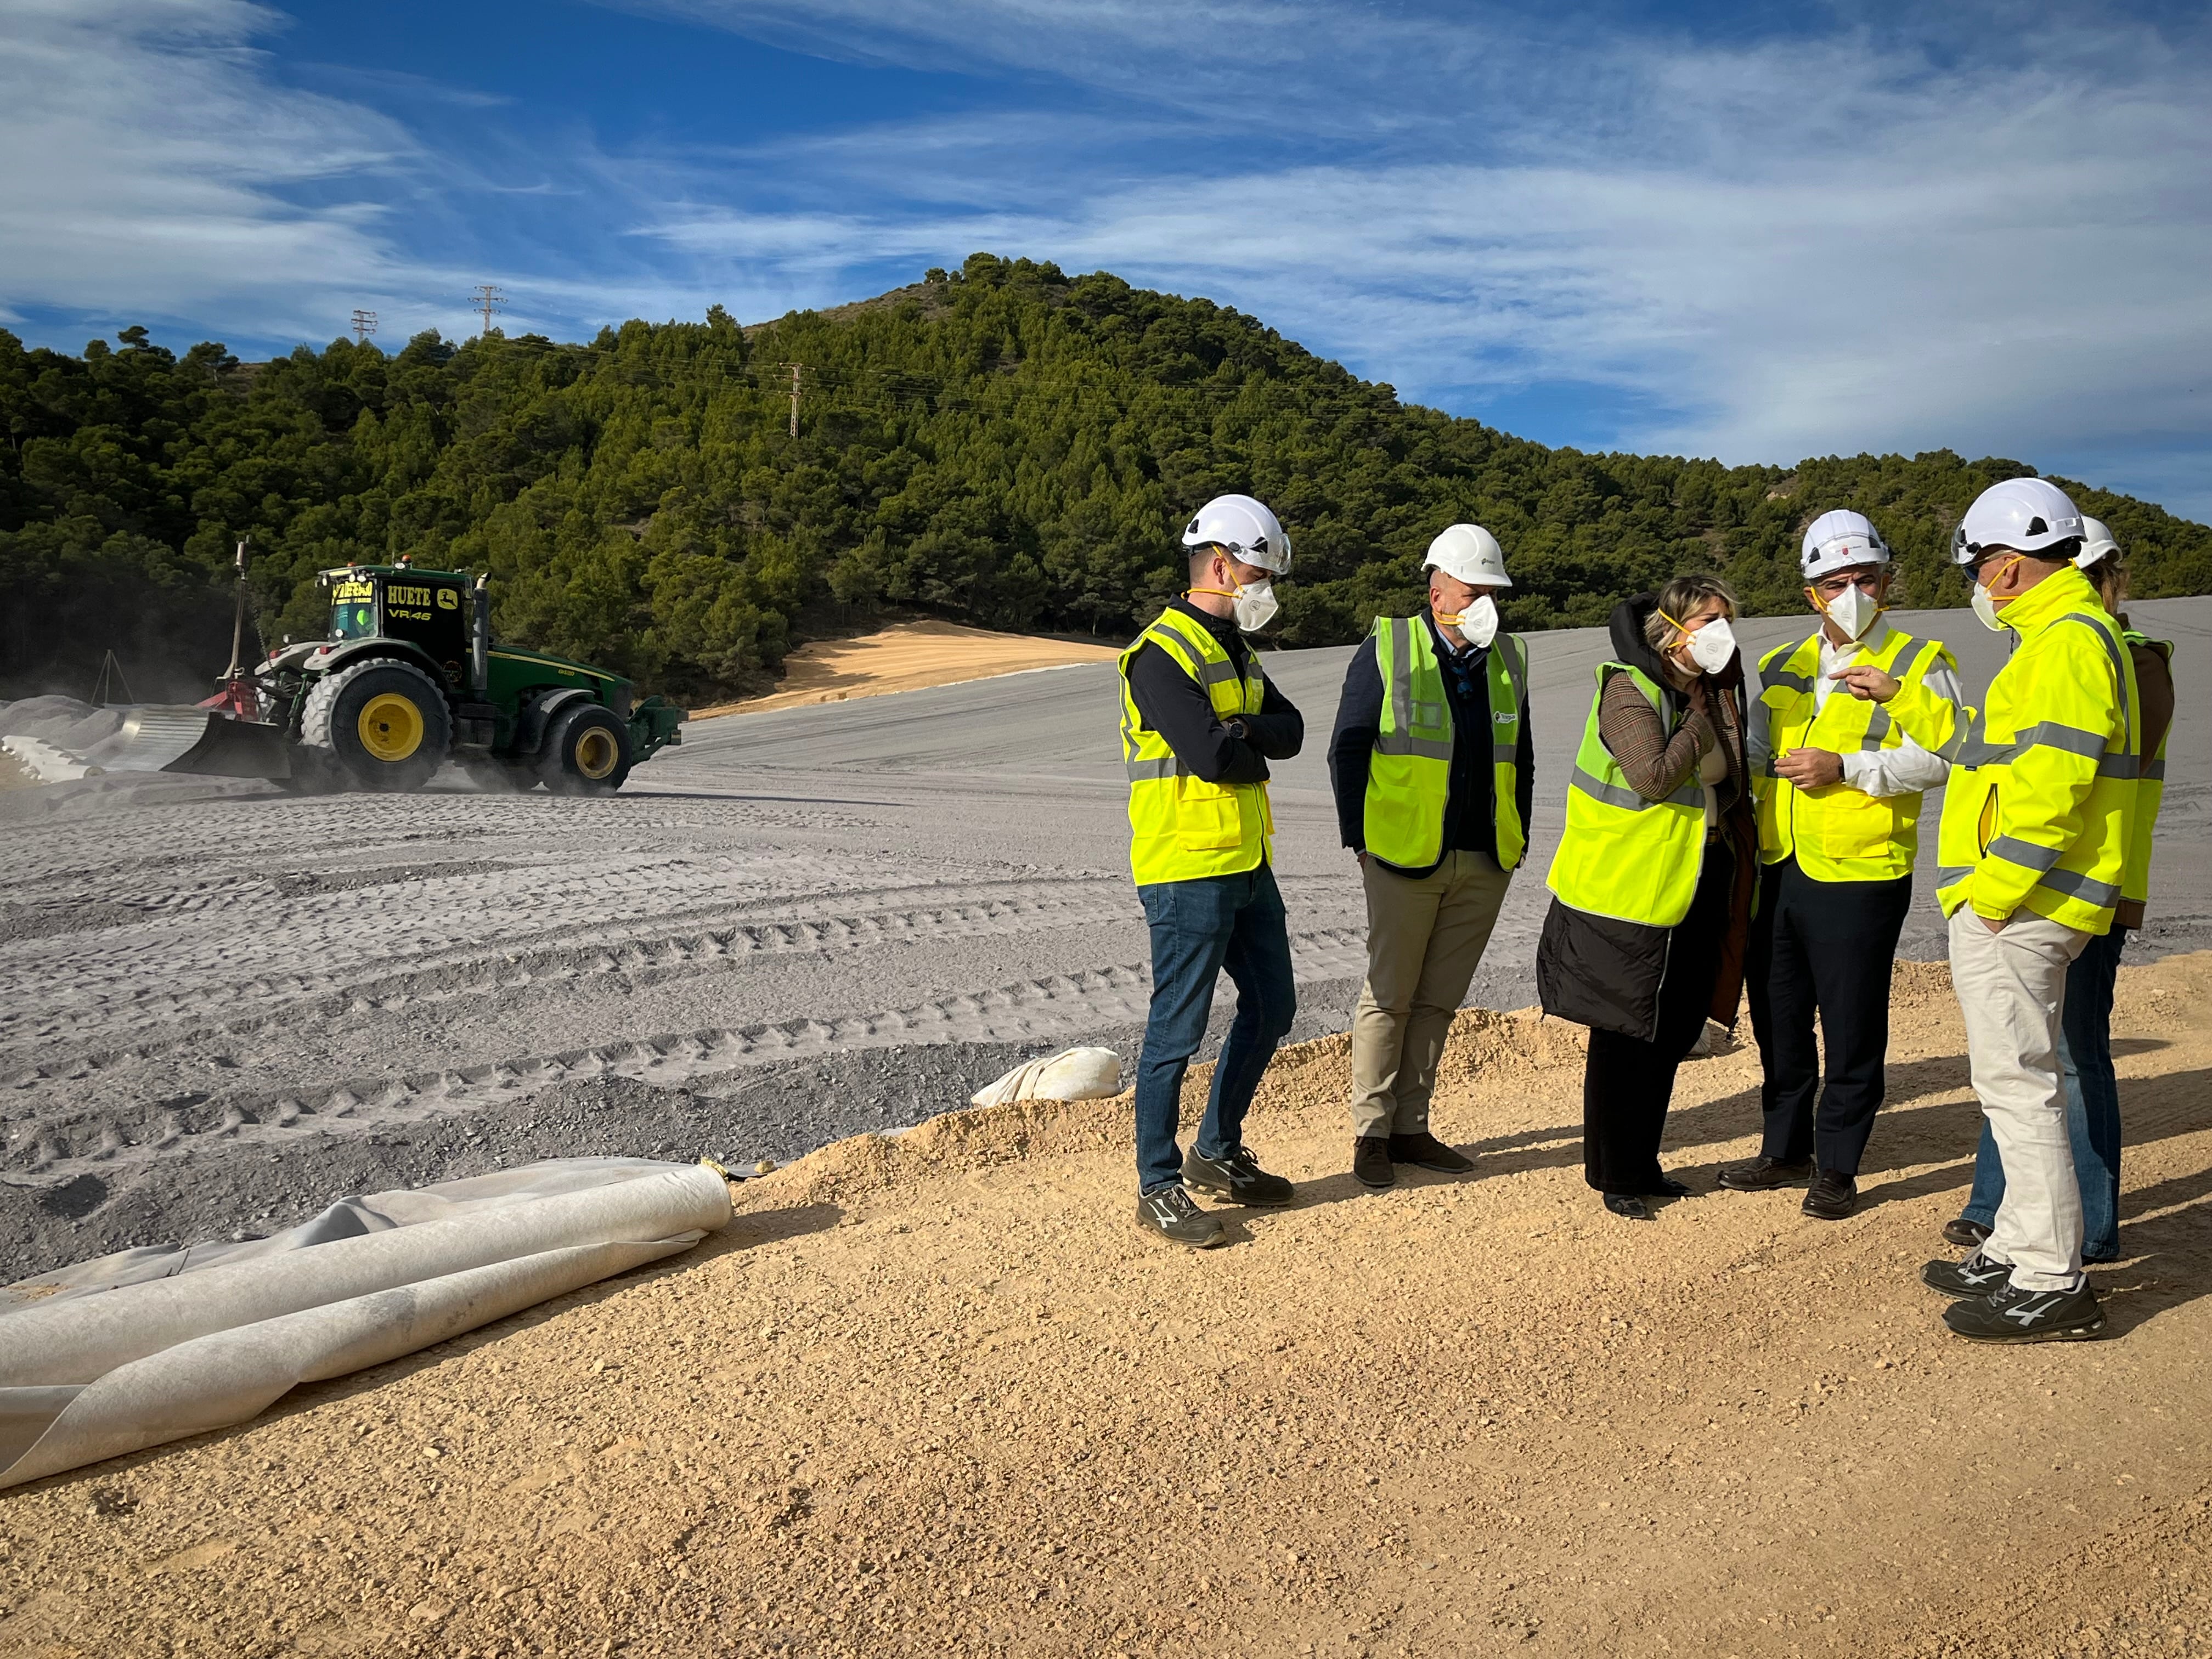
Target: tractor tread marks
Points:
(282, 981)
(1049, 1006)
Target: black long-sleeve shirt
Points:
(1470, 820)
(1177, 707)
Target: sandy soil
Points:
(909, 657)
(936, 1394)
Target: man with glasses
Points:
(1838, 785)
(2038, 825)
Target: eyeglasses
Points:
(1829, 588)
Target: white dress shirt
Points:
(1877, 772)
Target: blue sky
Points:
(1752, 231)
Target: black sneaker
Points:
(1171, 1213)
(1236, 1175)
(2016, 1316)
(1629, 1207)
(1370, 1161)
(1763, 1173)
(1978, 1275)
(1424, 1152)
(1831, 1196)
(1967, 1234)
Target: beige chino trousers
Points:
(2012, 991)
(1426, 936)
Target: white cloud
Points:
(147, 163)
(1846, 240)
(1767, 251)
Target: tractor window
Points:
(352, 620)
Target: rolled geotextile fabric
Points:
(82, 1339)
(215, 1381)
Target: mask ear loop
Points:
(1226, 592)
(1684, 632)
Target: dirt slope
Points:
(909, 657)
(936, 1394)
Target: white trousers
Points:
(2012, 989)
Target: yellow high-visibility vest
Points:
(1623, 856)
(1181, 827)
(2150, 791)
(1409, 776)
(1836, 832)
(2039, 814)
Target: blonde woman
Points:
(1652, 883)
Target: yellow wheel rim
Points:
(596, 753)
(391, 727)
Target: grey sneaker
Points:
(1978, 1275)
(2014, 1315)
(1171, 1213)
(1236, 1175)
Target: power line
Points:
(794, 399)
(487, 298)
(364, 324)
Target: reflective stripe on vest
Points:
(1623, 856)
(1183, 828)
(1836, 832)
(1409, 774)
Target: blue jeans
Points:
(1200, 929)
(2093, 1105)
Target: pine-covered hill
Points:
(1004, 445)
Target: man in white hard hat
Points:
(2039, 822)
(1839, 787)
(2085, 1044)
(1432, 766)
(1200, 721)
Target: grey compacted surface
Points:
(222, 1006)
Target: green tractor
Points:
(408, 678)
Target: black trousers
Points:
(1822, 949)
(1626, 1083)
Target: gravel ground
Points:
(221, 1007)
(937, 1396)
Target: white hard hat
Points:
(2097, 543)
(1470, 553)
(2028, 515)
(1839, 540)
(1245, 527)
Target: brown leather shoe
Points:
(1762, 1174)
(1959, 1230)
(1370, 1161)
(1833, 1196)
(1424, 1151)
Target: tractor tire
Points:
(585, 751)
(382, 724)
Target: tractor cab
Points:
(428, 610)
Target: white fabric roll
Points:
(96, 1375)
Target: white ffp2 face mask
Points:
(1254, 605)
(1477, 624)
(1713, 646)
(1853, 611)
